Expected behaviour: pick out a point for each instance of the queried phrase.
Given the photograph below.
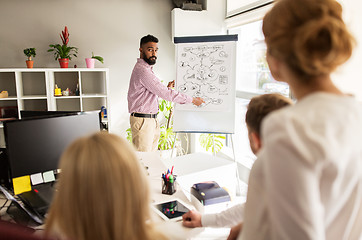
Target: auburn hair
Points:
(310, 36)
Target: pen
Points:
(172, 169)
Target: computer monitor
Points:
(38, 114)
(35, 145)
(25, 114)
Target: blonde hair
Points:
(102, 192)
(308, 35)
(260, 106)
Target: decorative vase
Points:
(90, 62)
(64, 62)
(29, 63)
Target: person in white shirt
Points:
(259, 107)
(307, 180)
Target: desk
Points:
(175, 230)
(187, 171)
(201, 167)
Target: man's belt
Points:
(144, 115)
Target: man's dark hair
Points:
(147, 39)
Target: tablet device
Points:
(171, 210)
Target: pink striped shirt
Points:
(145, 88)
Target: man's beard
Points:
(151, 60)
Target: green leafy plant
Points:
(99, 58)
(63, 51)
(167, 135)
(167, 138)
(30, 52)
(207, 141)
(129, 135)
(166, 108)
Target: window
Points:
(252, 72)
(252, 78)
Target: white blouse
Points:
(307, 180)
(227, 218)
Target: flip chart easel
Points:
(205, 67)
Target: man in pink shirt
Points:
(143, 92)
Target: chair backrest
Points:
(13, 231)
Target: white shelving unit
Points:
(33, 89)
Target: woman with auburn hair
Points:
(102, 193)
(307, 180)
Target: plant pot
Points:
(90, 62)
(29, 63)
(63, 62)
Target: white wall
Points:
(200, 23)
(109, 28)
(349, 76)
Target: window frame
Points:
(243, 7)
(233, 22)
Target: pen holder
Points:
(169, 186)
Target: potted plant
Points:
(29, 52)
(63, 52)
(90, 61)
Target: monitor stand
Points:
(19, 212)
(20, 216)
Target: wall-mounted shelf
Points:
(33, 89)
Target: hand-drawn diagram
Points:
(203, 70)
